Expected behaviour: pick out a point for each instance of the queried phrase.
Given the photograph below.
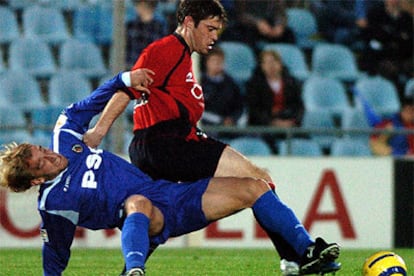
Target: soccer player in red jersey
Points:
(167, 143)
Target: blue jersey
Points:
(91, 191)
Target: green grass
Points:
(191, 261)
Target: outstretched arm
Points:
(138, 79)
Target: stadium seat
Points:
(9, 27)
(44, 119)
(304, 26)
(299, 147)
(67, 87)
(251, 146)
(21, 90)
(319, 123)
(21, 4)
(47, 23)
(18, 136)
(93, 22)
(334, 61)
(293, 58)
(409, 88)
(350, 147)
(84, 57)
(325, 93)
(65, 5)
(3, 67)
(12, 118)
(33, 56)
(380, 93)
(354, 119)
(240, 60)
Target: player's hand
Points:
(141, 78)
(92, 138)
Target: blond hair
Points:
(14, 172)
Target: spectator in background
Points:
(273, 95)
(389, 37)
(222, 96)
(341, 21)
(397, 144)
(147, 27)
(258, 22)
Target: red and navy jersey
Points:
(175, 92)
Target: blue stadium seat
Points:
(409, 88)
(3, 67)
(47, 23)
(93, 22)
(299, 147)
(65, 5)
(251, 146)
(380, 93)
(240, 60)
(44, 119)
(355, 119)
(350, 147)
(334, 61)
(319, 123)
(18, 136)
(21, 90)
(67, 87)
(293, 58)
(32, 55)
(304, 26)
(84, 57)
(12, 118)
(9, 27)
(323, 93)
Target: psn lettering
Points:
(93, 162)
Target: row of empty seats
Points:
(254, 146)
(35, 57)
(23, 92)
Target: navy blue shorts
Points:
(181, 206)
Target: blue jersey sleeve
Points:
(57, 233)
(81, 113)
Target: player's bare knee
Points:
(138, 204)
(254, 188)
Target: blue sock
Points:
(135, 240)
(276, 217)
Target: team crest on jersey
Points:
(43, 235)
(77, 148)
(189, 77)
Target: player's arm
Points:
(57, 234)
(78, 115)
(139, 79)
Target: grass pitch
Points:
(190, 261)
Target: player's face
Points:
(205, 35)
(45, 163)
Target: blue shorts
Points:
(180, 203)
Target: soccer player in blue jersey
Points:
(95, 189)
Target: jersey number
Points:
(93, 161)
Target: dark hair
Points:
(407, 100)
(200, 10)
(152, 3)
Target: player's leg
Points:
(316, 256)
(233, 163)
(142, 220)
(235, 194)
